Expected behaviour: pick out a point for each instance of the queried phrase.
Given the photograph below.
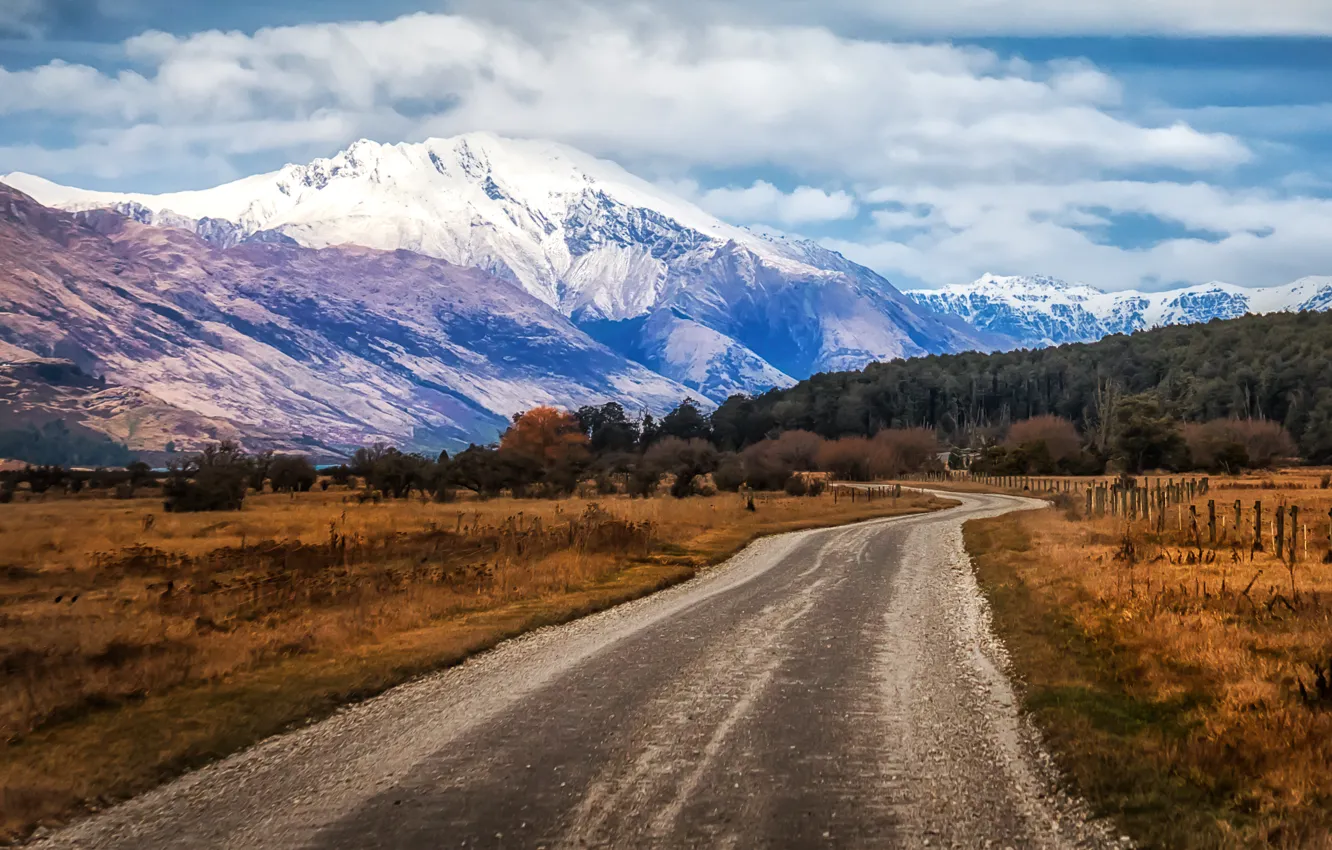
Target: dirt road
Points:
(833, 688)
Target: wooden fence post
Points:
(1258, 526)
(1211, 521)
(1279, 538)
(1294, 530)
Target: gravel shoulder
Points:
(836, 687)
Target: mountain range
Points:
(1038, 311)
(717, 308)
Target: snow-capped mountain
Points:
(337, 345)
(1039, 311)
(715, 307)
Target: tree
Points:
(259, 468)
(395, 474)
(292, 474)
(1145, 437)
(649, 431)
(609, 429)
(546, 435)
(366, 457)
(686, 422)
(547, 447)
(482, 470)
(214, 480)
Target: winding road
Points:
(830, 688)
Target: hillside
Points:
(1277, 367)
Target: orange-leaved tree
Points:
(546, 435)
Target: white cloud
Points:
(669, 96)
(956, 18)
(950, 235)
(764, 203)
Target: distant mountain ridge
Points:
(1040, 311)
(717, 308)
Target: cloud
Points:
(950, 235)
(666, 98)
(764, 203)
(959, 18)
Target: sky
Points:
(1121, 143)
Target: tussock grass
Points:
(1167, 675)
(135, 643)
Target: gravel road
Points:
(831, 688)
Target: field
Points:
(1181, 675)
(135, 643)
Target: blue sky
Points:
(1123, 143)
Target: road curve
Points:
(829, 688)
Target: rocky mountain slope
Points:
(335, 346)
(1040, 311)
(714, 307)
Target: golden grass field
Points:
(135, 643)
(1168, 676)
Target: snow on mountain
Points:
(340, 345)
(1039, 311)
(603, 247)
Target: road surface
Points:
(831, 688)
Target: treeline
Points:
(547, 452)
(1275, 368)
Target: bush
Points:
(1230, 445)
(765, 467)
(730, 473)
(1058, 435)
(795, 486)
(685, 459)
(847, 459)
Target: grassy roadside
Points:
(1165, 708)
(96, 755)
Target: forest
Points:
(1274, 368)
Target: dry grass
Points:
(134, 643)
(1167, 675)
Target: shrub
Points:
(847, 459)
(730, 473)
(795, 486)
(1229, 445)
(765, 468)
(904, 450)
(685, 459)
(798, 449)
(1058, 435)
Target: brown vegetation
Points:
(1181, 675)
(1059, 436)
(136, 642)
